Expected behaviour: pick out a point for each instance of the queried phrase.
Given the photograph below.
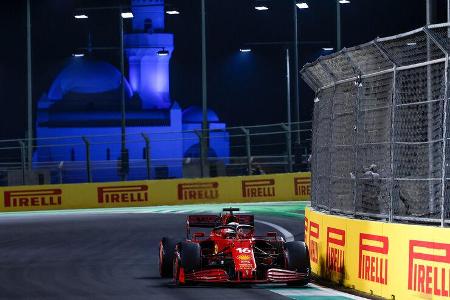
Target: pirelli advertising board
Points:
(394, 261)
(276, 187)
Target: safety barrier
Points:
(275, 187)
(394, 261)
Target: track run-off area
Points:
(113, 253)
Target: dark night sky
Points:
(244, 89)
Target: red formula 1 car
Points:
(232, 253)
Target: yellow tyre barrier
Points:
(274, 187)
(394, 261)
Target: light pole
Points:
(338, 23)
(338, 26)
(204, 136)
(123, 148)
(29, 90)
(124, 158)
(296, 4)
(296, 85)
(287, 127)
(288, 108)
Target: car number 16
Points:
(243, 250)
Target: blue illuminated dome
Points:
(87, 76)
(193, 114)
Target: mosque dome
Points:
(87, 76)
(193, 114)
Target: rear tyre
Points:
(166, 256)
(297, 259)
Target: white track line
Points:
(287, 235)
(337, 293)
(321, 291)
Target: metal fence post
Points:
(200, 136)
(332, 146)
(288, 146)
(435, 40)
(392, 140)
(88, 158)
(147, 155)
(248, 150)
(22, 161)
(60, 171)
(358, 84)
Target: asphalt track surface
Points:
(103, 256)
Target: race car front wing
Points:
(221, 276)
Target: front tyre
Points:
(297, 259)
(166, 257)
(187, 259)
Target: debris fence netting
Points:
(380, 128)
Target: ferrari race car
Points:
(232, 253)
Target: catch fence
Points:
(247, 150)
(380, 128)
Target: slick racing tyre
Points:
(187, 259)
(297, 259)
(166, 256)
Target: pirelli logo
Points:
(429, 268)
(302, 186)
(198, 191)
(314, 234)
(27, 198)
(373, 258)
(335, 249)
(258, 188)
(122, 194)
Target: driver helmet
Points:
(230, 219)
(235, 224)
(228, 233)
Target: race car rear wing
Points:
(203, 221)
(246, 219)
(211, 221)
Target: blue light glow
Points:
(86, 76)
(84, 100)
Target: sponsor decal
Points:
(314, 241)
(335, 249)
(302, 186)
(258, 188)
(198, 191)
(306, 231)
(244, 257)
(429, 268)
(246, 267)
(373, 259)
(27, 198)
(122, 194)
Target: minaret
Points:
(149, 72)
